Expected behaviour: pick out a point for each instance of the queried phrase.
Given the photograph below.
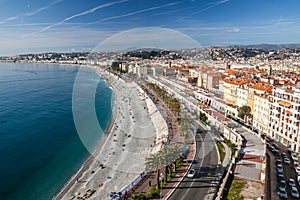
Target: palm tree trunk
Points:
(166, 173)
(175, 166)
(157, 179)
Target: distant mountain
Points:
(268, 46)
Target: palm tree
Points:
(171, 153)
(185, 123)
(163, 158)
(155, 162)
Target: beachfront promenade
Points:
(137, 130)
(204, 154)
(146, 183)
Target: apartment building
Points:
(230, 87)
(213, 80)
(258, 88)
(285, 116)
(242, 95)
(261, 113)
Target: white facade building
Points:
(285, 117)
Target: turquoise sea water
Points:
(39, 146)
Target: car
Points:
(279, 168)
(272, 149)
(294, 156)
(297, 169)
(191, 173)
(282, 194)
(283, 155)
(277, 153)
(275, 146)
(278, 161)
(280, 177)
(286, 161)
(292, 182)
(282, 185)
(294, 192)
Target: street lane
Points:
(205, 164)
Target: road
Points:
(205, 164)
(288, 172)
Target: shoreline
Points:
(91, 158)
(119, 158)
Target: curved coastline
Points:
(133, 133)
(64, 190)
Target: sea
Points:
(40, 149)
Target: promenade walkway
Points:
(146, 183)
(149, 180)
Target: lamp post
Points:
(160, 181)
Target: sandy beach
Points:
(137, 130)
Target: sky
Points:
(36, 26)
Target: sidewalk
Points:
(227, 155)
(147, 182)
(143, 186)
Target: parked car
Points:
(277, 153)
(280, 177)
(272, 149)
(292, 182)
(283, 155)
(279, 168)
(278, 161)
(297, 169)
(282, 194)
(294, 192)
(282, 185)
(275, 146)
(191, 173)
(294, 156)
(286, 161)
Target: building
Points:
(285, 116)
(230, 87)
(258, 88)
(261, 113)
(213, 81)
(169, 72)
(157, 71)
(242, 95)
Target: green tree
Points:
(202, 117)
(170, 153)
(155, 162)
(245, 112)
(185, 123)
(163, 159)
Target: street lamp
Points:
(160, 181)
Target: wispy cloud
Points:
(89, 11)
(211, 5)
(9, 19)
(43, 8)
(233, 30)
(31, 13)
(170, 11)
(134, 13)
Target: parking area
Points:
(283, 178)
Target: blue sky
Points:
(32, 26)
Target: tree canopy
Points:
(245, 111)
